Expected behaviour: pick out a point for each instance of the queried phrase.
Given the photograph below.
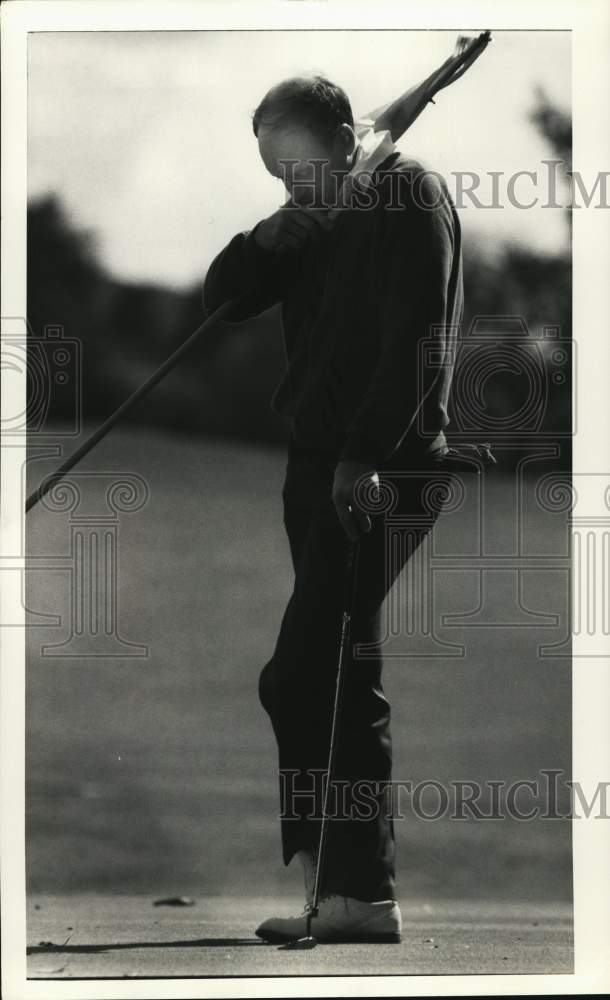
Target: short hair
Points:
(310, 101)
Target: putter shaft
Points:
(350, 590)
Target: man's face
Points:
(310, 167)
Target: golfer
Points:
(362, 287)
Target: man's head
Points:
(305, 132)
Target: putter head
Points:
(301, 944)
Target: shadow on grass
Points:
(94, 949)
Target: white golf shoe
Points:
(339, 919)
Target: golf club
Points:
(351, 575)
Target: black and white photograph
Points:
(306, 500)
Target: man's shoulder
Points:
(399, 162)
(414, 181)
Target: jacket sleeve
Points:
(247, 271)
(413, 288)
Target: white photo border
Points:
(589, 22)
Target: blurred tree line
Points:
(128, 329)
(224, 387)
(521, 282)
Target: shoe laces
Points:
(329, 895)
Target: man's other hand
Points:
(289, 228)
(348, 476)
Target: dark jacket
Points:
(370, 314)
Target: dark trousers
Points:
(297, 685)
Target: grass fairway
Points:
(157, 775)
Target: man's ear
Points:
(347, 137)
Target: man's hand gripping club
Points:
(291, 227)
(352, 481)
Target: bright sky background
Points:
(146, 136)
